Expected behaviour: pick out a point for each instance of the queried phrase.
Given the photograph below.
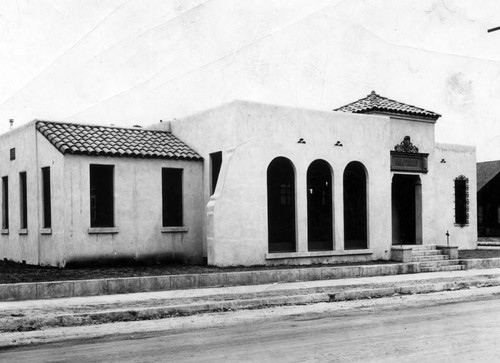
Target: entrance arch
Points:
(281, 205)
(355, 207)
(319, 206)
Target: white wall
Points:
(251, 135)
(460, 160)
(138, 212)
(138, 207)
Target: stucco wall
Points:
(460, 160)
(138, 207)
(251, 135)
(254, 135)
(138, 212)
(15, 246)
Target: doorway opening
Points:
(319, 206)
(406, 209)
(281, 205)
(355, 207)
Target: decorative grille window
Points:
(462, 201)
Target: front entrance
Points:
(406, 209)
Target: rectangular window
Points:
(172, 197)
(23, 200)
(101, 196)
(13, 154)
(5, 202)
(47, 218)
(480, 214)
(216, 163)
(461, 201)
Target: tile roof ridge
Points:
(98, 125)
(352, 103)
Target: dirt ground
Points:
(11, 272)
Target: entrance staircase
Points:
(432, 259)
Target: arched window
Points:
(355, 207)
(281, 205)
(319, 206)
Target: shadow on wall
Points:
(123, 260)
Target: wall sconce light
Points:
(338, 143)
(301, 141)
(443, 161)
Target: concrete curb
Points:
(79, 288)
(334, 295)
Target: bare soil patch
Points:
(12, 272)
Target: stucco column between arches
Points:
(301, 210)
(338, 215)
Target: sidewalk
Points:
(30, 315)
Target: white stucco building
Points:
(258, 184)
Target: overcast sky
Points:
(136, 62)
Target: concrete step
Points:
(430, 258)
(439, 263)
(489, 244)
(424, 247)
(443, 268)
(426, 253)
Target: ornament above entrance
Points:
(406, 157)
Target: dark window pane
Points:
(5, 202)
(461, 202)
(47, 218)
(216, 162)
(101, 196)
(172, 197)
(23, 200)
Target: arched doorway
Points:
(281, 205)
(319, 206)
(355, 207)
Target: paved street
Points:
(453, 326)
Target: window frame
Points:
(93, 195)
(46, 197)
(461, 218)
(171, 197)
(5, 203)
(23, 200)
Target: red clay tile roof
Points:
(486, 171)
(373, 103)
(70, 138)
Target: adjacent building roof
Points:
(376, 103)
(486, 171)
(70, 138)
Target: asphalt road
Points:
(458, 327)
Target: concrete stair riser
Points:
(427, 253)
(489, 244)
(424, 247)
(439, 263)
(430, 258)
(443, 268)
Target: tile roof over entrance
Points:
(486, 171)
(375, 103)
(70, 138)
